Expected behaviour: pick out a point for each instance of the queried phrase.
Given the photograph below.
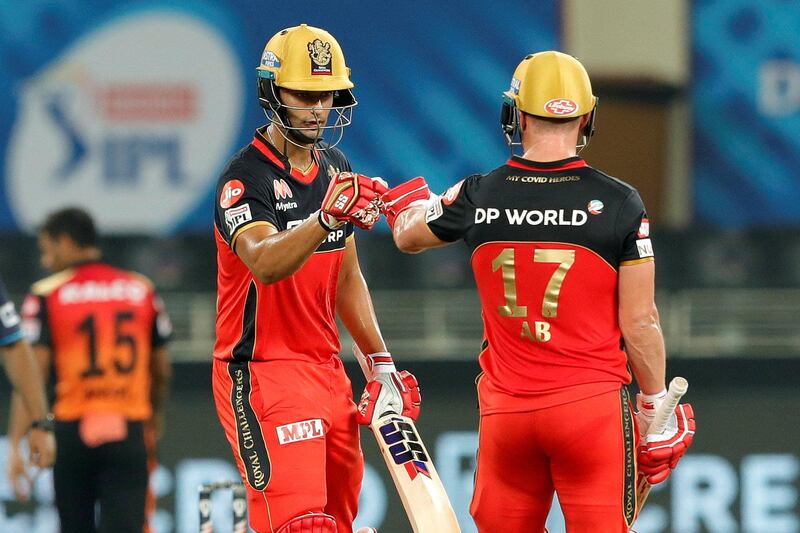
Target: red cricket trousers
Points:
(584, 450)
(295, 440)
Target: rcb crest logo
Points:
(320, 54)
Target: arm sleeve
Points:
(242, 201)
(162, 325)
(10, 331)
(450, 215)
(34, 320)
(633, 231)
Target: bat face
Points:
(420, 489)
(404, 446)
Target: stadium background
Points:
(131, 109)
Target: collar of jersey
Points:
(272, 154)
(550, 166)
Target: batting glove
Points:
(352, 198)
(388, 392)
(406, 195)
(659, 453)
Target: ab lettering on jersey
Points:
(532, 217)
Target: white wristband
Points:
(381, 363)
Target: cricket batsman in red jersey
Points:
(564, 265)
(287, 266)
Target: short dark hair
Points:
(73, 222)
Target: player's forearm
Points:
(411, 232)
(354, 306)
(18, 421)
(644, 344)
(26, 377)
(281, 254)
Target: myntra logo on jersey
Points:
(122, 129)
(531, 217)
(102, 291)
(297, 431)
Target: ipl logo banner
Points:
(133, 121)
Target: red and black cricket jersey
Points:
(547, 241)
(100, 323)
(293, 318)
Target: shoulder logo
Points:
(645, 248)
(231, 193)
(451, 194)
(595, 207)
(320, 54)
(8, 315)
(282, 189)
(236, 216)
(561, 106)
(644, 229)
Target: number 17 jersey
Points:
(547, 242)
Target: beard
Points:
(303, 137)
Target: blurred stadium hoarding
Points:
(746, 102)
(131, 109)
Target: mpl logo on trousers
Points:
(297, 431)
(132, 121)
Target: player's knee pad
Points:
(309, 523)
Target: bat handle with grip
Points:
(677, 388)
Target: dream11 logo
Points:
(132, 121)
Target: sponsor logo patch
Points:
(531, 217)
(231, 193)
(645, 248)
(285, 206)
(298, 431)
(644, 229)
(120, 290)
(320, 54)
(8, 315)
(269, 59)
(434, 211)
(561, 106)
(282, 189)
(595, 207)
(405, 446)
(452, 193)
(237, 216)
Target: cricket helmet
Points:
(305, 58)
(549, 85)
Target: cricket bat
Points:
(677, 388)
(421, 491)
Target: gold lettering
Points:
(540, 332)
(505, 262)
(565, 259)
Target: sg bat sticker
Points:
(405, 446)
